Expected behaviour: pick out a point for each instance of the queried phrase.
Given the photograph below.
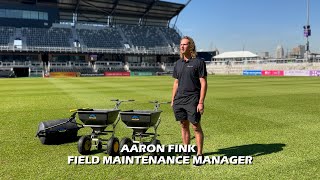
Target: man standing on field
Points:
(189, 91)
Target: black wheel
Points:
(125, 141)
(44, 140)
(84, 145)
(113, 146)
(155, 142)
(99, 145)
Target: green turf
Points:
(274, 119)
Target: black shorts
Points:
(187, 112)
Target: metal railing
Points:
(159, 50)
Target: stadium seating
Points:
(82, 70)
(138, 69)
(111, 69)
(43, 37)
(145, 67)
(105, 38)
(147, 36)
(131, 38)
(5, 34)
(171, 35)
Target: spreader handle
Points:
(155, 101)
(81, 109)
(165, 102)
(123, 100)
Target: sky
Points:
(251, 25)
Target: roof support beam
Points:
(139, 11)
(147, 10)
(98, 8)
(114, 7)
(77, 6)
(179, 11)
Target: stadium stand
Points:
(104, 38)
(43, 37)
(106, 66)
(84, 70)
(110, 69)
(141, 36)
(52, 37)
(147, 36)
(172, 35)
(139, 69)
(5, 34)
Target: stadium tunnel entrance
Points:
(21, 71)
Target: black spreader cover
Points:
(98, 116)
(140, 118)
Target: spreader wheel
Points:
(44, 140)
(113, 146)
(155, 142)
(123, 142)
(84, 145)
(99, 145)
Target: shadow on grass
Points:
(249, 150)
(60, 141)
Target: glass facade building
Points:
(23, 14)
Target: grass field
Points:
(273, 119)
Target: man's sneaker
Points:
(200, 157)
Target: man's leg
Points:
(199, 137)
(185, 131)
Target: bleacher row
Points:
(110, 69)
(54, 37)
(108, 37)
(108, 66)
(100, 67)
(86, 70)
(137, 69)
(5, 34)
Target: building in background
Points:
(264, 55)
(279, 52)
(298, 52)
(239, 56)
(207, 55)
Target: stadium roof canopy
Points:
(236, 54)
(153, 12)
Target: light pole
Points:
(307, 32)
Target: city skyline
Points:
(256, 26)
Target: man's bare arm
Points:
(174, 90)
(203, 92)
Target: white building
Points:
(279, 52)
(264, 55)
(236, 56)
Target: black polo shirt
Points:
(188, 74)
